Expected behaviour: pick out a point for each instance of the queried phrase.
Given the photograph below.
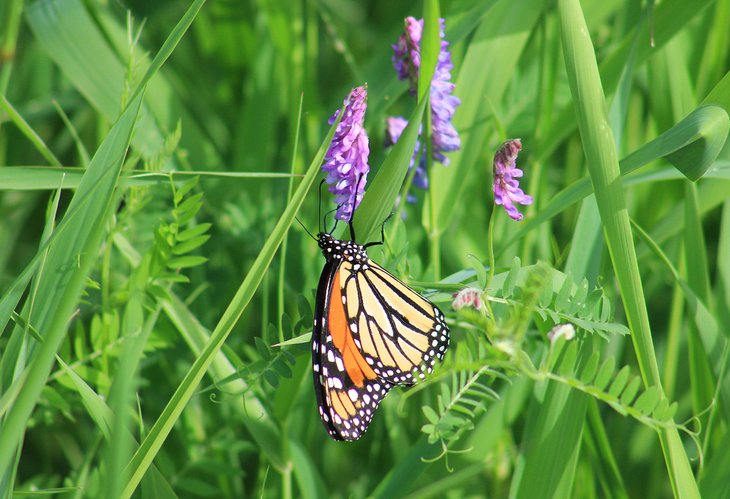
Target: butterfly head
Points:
(336, 249)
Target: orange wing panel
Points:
(355, 365)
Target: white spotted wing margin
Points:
(345, 409)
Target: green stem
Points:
(8, 41)
(490, 256)
(434, 239)
(282, 265)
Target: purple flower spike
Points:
(407, 61)
(506, 186)
(346, 161)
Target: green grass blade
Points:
(401, 478)
(669, 18)
(723, 269)
(69, 259)
(170, 43)
(251, 411)
(714, 476)
(74, 41)
(604, 460)
(380, 195)
(549, 457)
(720, 94)
(555, 425)
(136, 329)
(107, 421)
(10, 17)
(430, 47)
(711, 195)
(702, 319)
(599, 148)
(100, 413)
(28, 131)
(716, 49)
(37, 178)
(310, 483)
(695, 251)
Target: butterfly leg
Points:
(382, 233)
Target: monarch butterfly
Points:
(371, 332)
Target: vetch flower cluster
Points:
(346, 161)
(506, 187)
(407, 63)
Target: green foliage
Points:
(599, 379)
(550, 297)
(269, 364)
(155, 156)
(457, 405)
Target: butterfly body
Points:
(371, 333)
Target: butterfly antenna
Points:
(325, 221)
(305, 229)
